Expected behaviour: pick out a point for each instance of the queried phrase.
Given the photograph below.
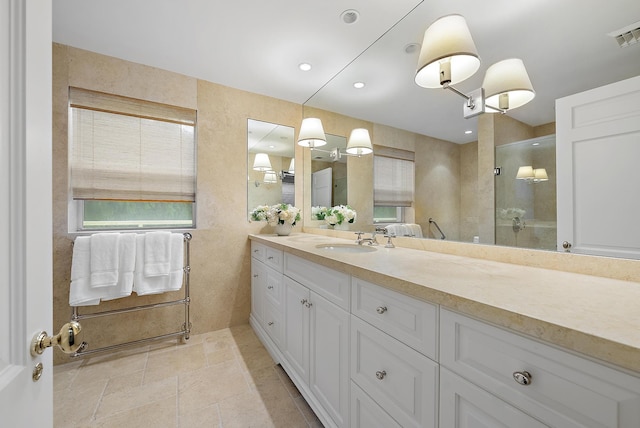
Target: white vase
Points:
(283, 229)
(341, 226)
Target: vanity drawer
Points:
(401, 380)
(328, 283)
(365, 413)
(273, 286)
(273, 322)
(564, 389)
(258, 251)
(270, 256)
(409, 320)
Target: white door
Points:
(25, 210)
(598, 174)
(322, 184)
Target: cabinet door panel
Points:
(258, 279)
(365, 413)
(296, 328)
(329, 376)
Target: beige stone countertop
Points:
(594, 316)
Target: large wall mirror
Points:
(455, 183)
(270, 164)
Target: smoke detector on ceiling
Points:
(350, 16)
(628, 35)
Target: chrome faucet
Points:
(372, 241)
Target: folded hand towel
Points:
(104, 259)
(80, 291)
(157, 254)
(127, 263)
(144, 284)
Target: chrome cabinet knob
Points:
(381, 309)
(270, 323)
(270, 258)
(303, 301)
(255, 275)
(381, 374)
(270, 287)
(523, 378)
(566, 245)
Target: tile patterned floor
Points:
(221, 379)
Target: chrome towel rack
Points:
(186, 327)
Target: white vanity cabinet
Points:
(316, 334)
(556, 387)
(267, 290)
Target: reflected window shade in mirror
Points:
(393, 182)
(311, 133)
(507, 85)
(129, 149)
(359, 142)
(262, 162)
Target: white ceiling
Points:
(256, 45)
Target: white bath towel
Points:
(104, 259)
(80, 291)
(143, 284)
(414, 230)
(127, 264)
(157, 254)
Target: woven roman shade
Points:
(393, 182)
(129, 149)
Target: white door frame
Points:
(25, 209)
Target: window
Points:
(132, 163)
(393, 186)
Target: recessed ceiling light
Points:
(350, 16)
(412, 47)
(358, 85)
(468, 132)
(305, 66)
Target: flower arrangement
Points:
(334, 215)
(276, 214)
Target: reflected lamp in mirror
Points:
(531, 175)
(448, 56)
(262, 162)
(292, 166)
(359, 142)
(311, 133)
(270, 177)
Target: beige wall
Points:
(220, 262)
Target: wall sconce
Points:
(531, 175)
(262, 162)
(448, 56)
(311, 133)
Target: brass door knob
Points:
(69, 340)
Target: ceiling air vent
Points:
(628, 35)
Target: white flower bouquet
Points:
(276, 214)
(340, 214)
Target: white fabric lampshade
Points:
(270, 177)
(359, 142)
(508, 77)
(262, 162)
(448, 39)
(311, 133)
(540, 174)
(525, 173)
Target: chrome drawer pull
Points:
(270, 323)
(303, 301)
(255, 275)
(270, 287)
(381, 374)
(381, 309)
(270, 258)
(523, 378)
(256, 251)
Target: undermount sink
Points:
(347, 248)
